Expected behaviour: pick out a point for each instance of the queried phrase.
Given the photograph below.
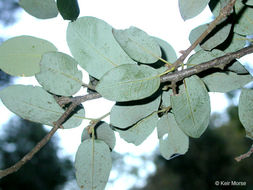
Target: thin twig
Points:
(223, 14)
(42, 142)
(246, 155)
(219, 62)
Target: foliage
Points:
(151, 87)
(45, 171)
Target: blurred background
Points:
(209, 159)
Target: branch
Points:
(219, 62)
(246, 155)
(223, 14)
(75, 102)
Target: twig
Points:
(246, 155)
(75, 102)
(219, 62)
(223, 14)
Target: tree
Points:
(201, 167)
(45, 171)
(152, 88)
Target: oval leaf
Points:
(103, 132)
(191, 8)
(92, 44)
(140, 131)
(35, 104)
(129, 82)
(246, 111)
(138, 45)
(20, 56)
(125, 115)
(244, 18)
(175, 141)
(166, 98)
(230, 81)
(69, 9)
(93, 164)
(42, 9)
(191, 107)
(59, 74)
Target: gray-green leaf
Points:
(140, 131)
(103, 132)
(20, 56)
(42, 9)
(191, 107)
(191, 8)
(172, 139)
(92, 44)
(125, 115)
(244, 20)
(35, 104)
(59, 74)
(246, 111)
(138, 45)
(225, 82)
(129, 82)
(93, 164)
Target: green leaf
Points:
(123, 115)
(215, 38)
(92, 44)
(249, 2)
(69, 9)
(103, 132)
(20, 56)
(204, 56)
(166, 98)
(244, 18)
(140, 131)
(93, 164)
(246, 111)
(230, 81)
(59, 74)
(191, 8)
(167, 50)
(35, 104)
(138, 45)
(172, 139)
(129, 82)
(191, 107)
(237, 42)
(42, 9)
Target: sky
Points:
(160, 18)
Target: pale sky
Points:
(160, 18)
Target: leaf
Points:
(129, 82)
(42, 9)
(191, 107)
(216, 6)
(59, 74)
(249, 2)
(167, 50)
(103, 132)
(230, 81)
(92, 44)
(246, 111)
(140, 131)
(138, 45)
(237, 42)
(125, 115)
(191, 8)
(244, 19)
(172, 139)
(204, 56)
(20, 56)
(69, 9)
(93, 164)
(215, 38)
(166, 98)
(35, 104)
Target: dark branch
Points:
(219, 62)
